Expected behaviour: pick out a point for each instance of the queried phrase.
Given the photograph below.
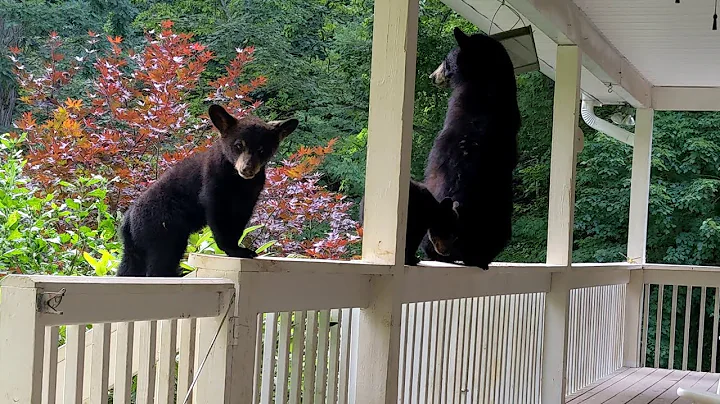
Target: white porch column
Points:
(560, 220)
(637, 234)
(21, 346)
(392, 92)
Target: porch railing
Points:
(293, 331)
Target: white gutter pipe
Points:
(601, 125)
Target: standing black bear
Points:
(426, 218)
(474, 155)
(218, 187)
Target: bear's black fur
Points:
(217, 187)
(426, 218)
(474, 155)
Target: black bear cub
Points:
(426, 218)
(473, 157)
(217, 187)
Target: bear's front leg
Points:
(227, 236)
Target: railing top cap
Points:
(49, 280)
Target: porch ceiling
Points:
(650, 53)
(670, 44)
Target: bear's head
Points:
(442, 233)
(249, 143)
(477, 59)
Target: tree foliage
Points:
(135, 120)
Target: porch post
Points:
(392, 92)
(637, 235)
(560, 220)
(22, 337)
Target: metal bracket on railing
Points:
(235, 327)
(48, 302)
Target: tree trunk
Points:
(9, 36)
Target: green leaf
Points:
(98, 193)
(265, 246)
(72, 204)
(12, 219)
(250, 230)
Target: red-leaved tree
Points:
(300, 214)
(134, 121)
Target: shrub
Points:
(41, 233)
(135, 121)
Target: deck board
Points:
(644, 386)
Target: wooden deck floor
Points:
(644, 386)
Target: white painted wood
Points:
(345, 340)
(563, 156)
(100, 365)
(322, 356)
(560, 221)
(74, 363)
(701, 331)
(716, 313)
(50, 365)
(434, 351)
(426, 284)
(675, 277)
(637, 234)
(673, 324)
(21, 345)
(640, 186)
(228, 371)
(646, 325)
(298, 350)
(554, 356)
(334, 358)
(402, 371)
(472, 349)
(681, 268)
(147, 338)
(392, 92)
(123, 363)
(564, 22)
(417, 352)
(676, 37)
(258, 362)
(392, 86)
(153, 298)
(311, 347)
(308, 291)
(686, 98)
(287, 265)
(425, 332)
(658, 324)
(283, 359)
(686, 334)
(165, 389)
(186, 363)
(268, 362)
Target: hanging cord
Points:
(217, 333)
(492, 21)
(715, 17)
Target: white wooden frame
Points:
(25, 313)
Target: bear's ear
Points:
(221, 119)
(286, 127)
(461, 38)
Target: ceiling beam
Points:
(686, 98)
(565, 23)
